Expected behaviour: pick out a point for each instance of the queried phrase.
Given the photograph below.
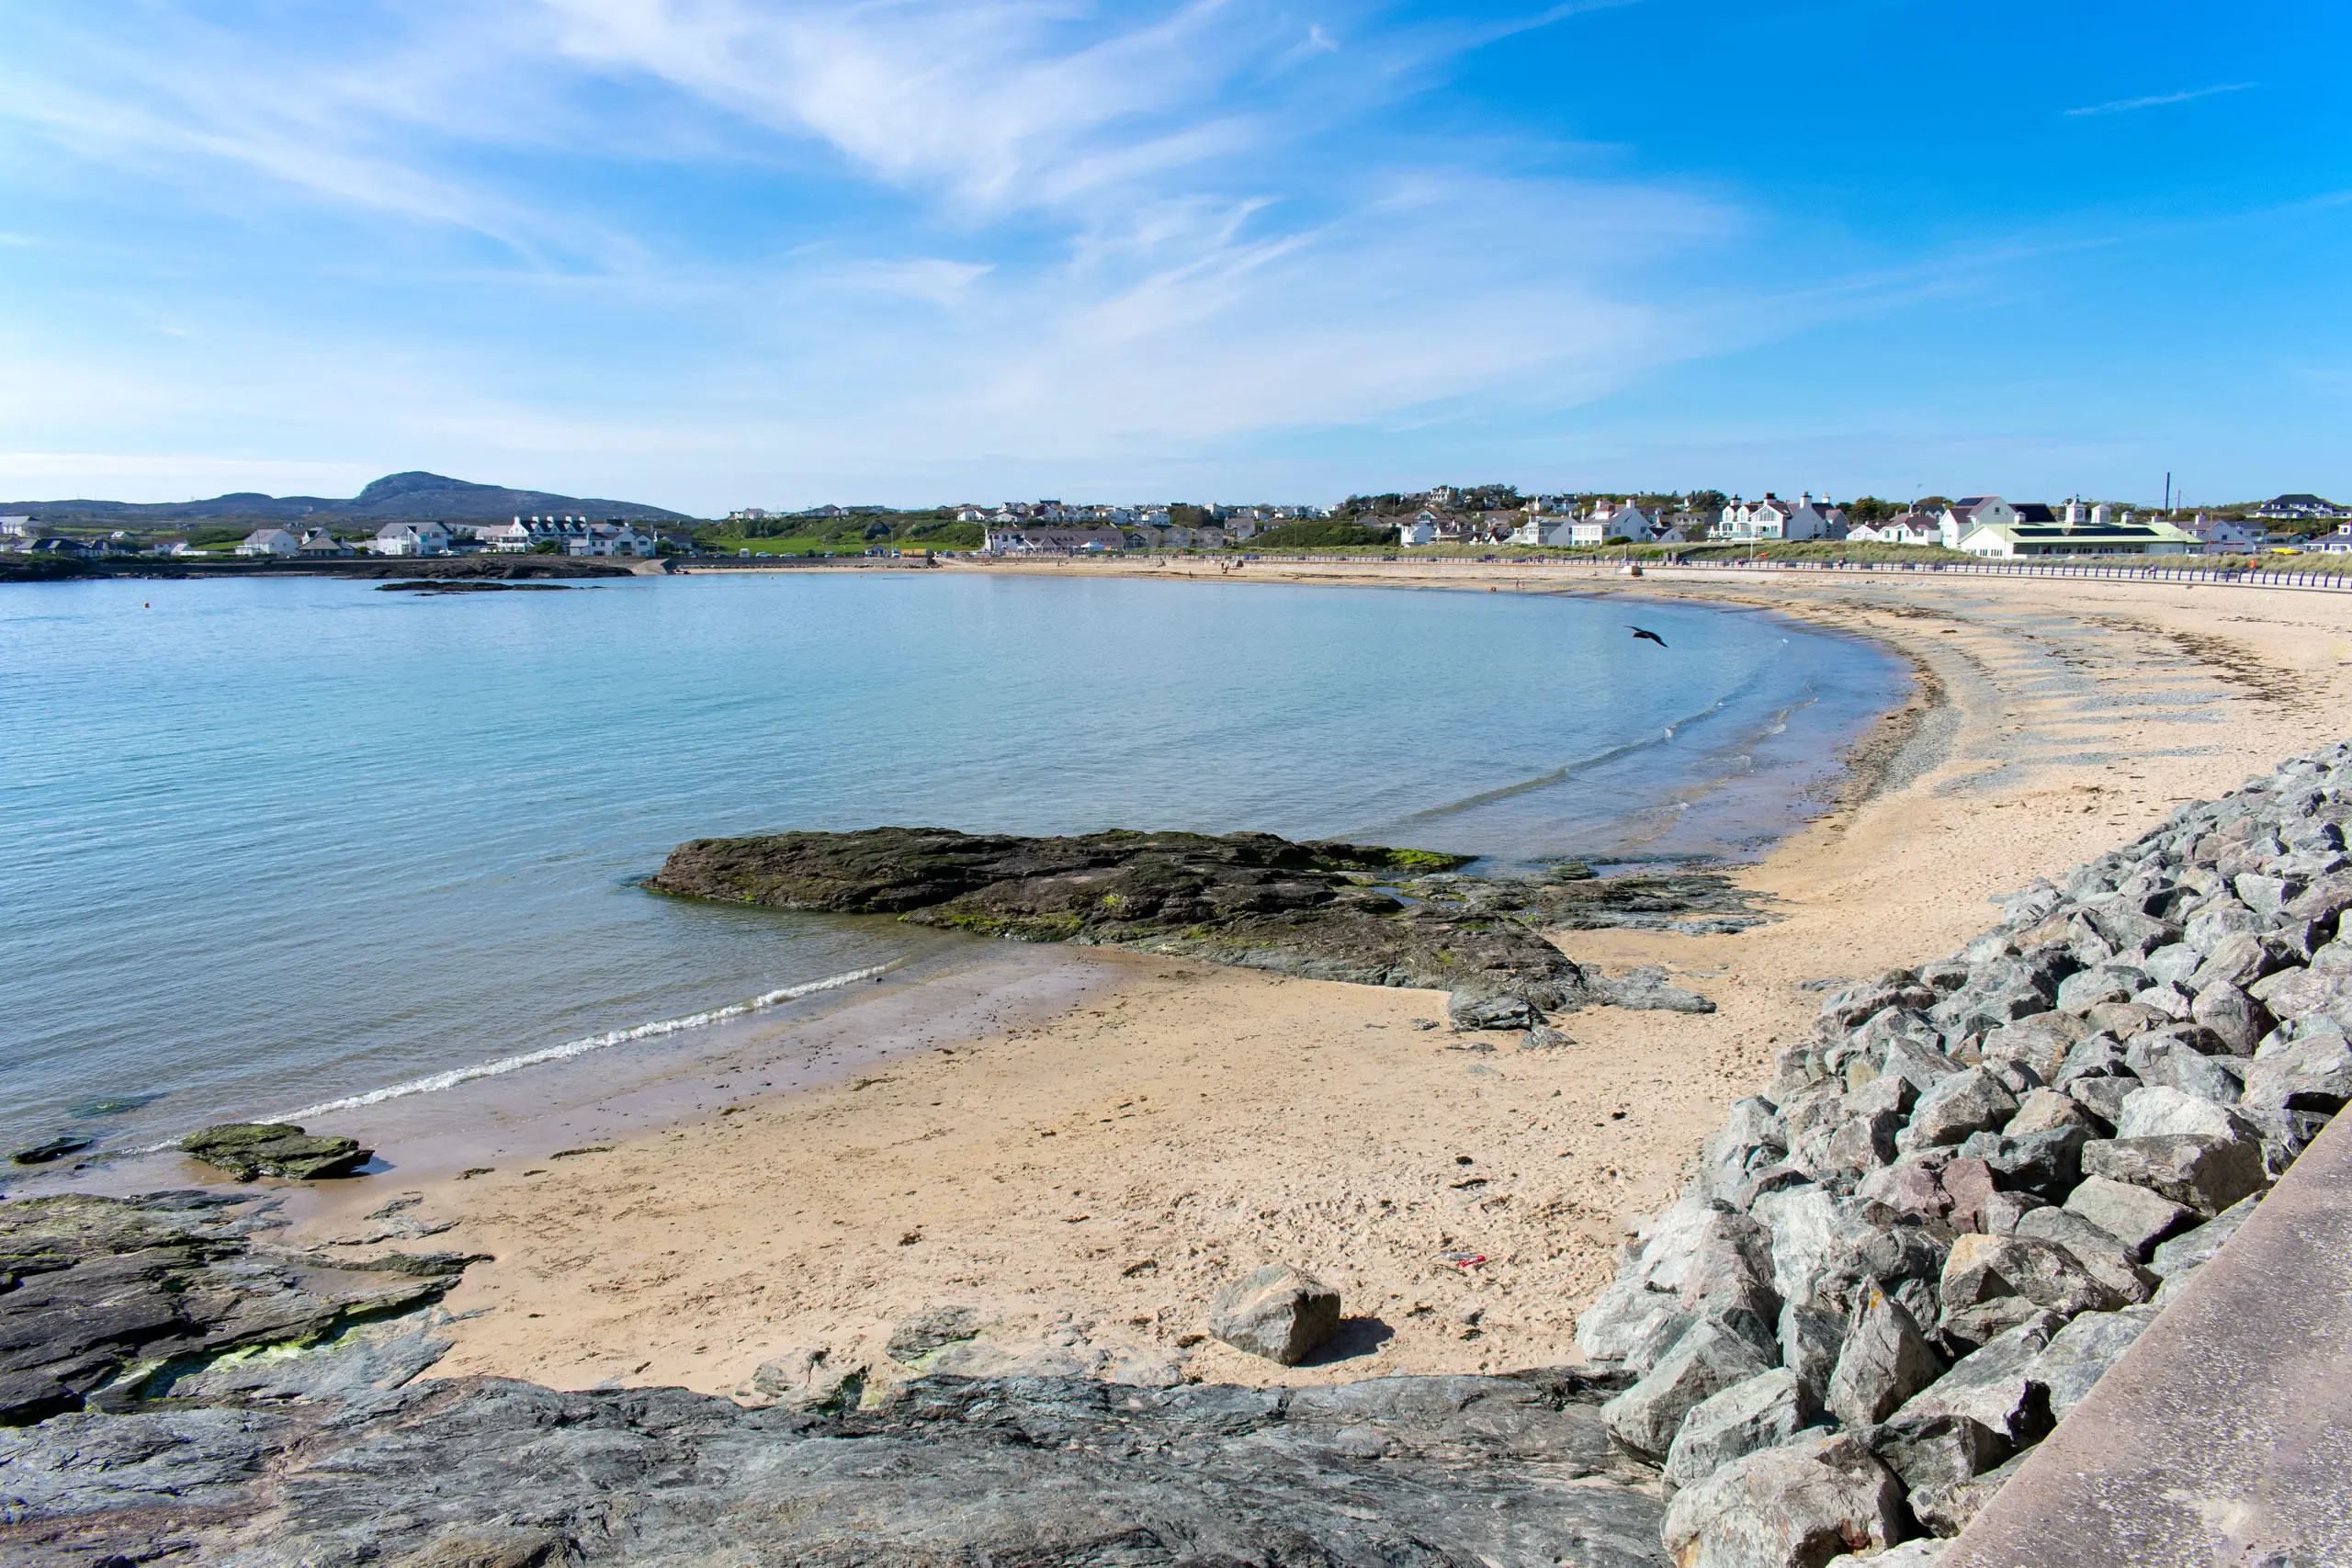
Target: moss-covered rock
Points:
(250, 1149)
(1252, 899)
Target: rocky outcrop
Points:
(1329, 911)
(105, 1303)
(255, 1408)
(248, 1150)
(1962, 1198)
(1503, 1470)
(1317, 910)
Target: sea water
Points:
(270, 844)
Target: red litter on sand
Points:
(1463, 1259)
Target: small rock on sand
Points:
(1276, 1312)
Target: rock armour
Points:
(1961, 1198)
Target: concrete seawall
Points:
(2224, 1435)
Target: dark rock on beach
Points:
(469, 585)
(101, 1298)
(1252, 899)
(250, 1149)
(49, 1149)
(147, 1429)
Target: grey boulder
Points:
(2079, 1354)
(807, 1380)
(1995, 1385)
(2193, 1249)
(1276, 1312)
(1706, 1361)
(1761, 1412)
(1969, 1101)
(1946, 1510)
(1794, 1507)
(1927, 1451)
(2136, 1217)
(2159, 1110)
(2310, 1074)
(1884, 1361)
(2206, 1173)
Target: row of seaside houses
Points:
(570, 535)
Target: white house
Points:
(16, 527)
(1612, 520)
(1907, 528)
(1421, 530)
(2219, 536)
(1773, 519)
(1980, 512)
(275, 542)
(509, 538)
(319, 542)
(411, 539)
(1003, 541)
(610, 539)
(2079, 533)
(2297, 508)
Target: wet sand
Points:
(1085, 1179)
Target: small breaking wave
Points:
(436, 1082)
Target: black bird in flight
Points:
(1639, 635)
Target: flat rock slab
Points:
(1496, 1471)
(2225, 1433)
(1251, 899)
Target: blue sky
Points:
(720, 253)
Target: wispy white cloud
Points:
(1072, 236)
(2125, 106)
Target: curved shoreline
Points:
(1201, 1120)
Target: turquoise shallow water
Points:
(269, 843)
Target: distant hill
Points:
(396, 498)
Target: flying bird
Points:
(1639, 635)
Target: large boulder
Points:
(2049, 1162)
(1885, 1360)
(2204, 1172)
(1761, 1412)
(2310, 1074)
(250, 1149)
(1810, 1342)
(2229, 1013)
(2103, 1258)
(1967, 1102)
(1706, 1361)
(2136, 1217)
(2193, 1249)
(809, 1380)
(2294, 993)
(1927, 1451)
(1276, 1312)
(934, 1329)
(2011, 1275)
(1997, 1385)
(2159, 1110)
(2079, 1354)
(1794, 1507)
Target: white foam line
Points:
(457, 1076)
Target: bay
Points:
(273, 842)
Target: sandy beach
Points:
(1087, 1180)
